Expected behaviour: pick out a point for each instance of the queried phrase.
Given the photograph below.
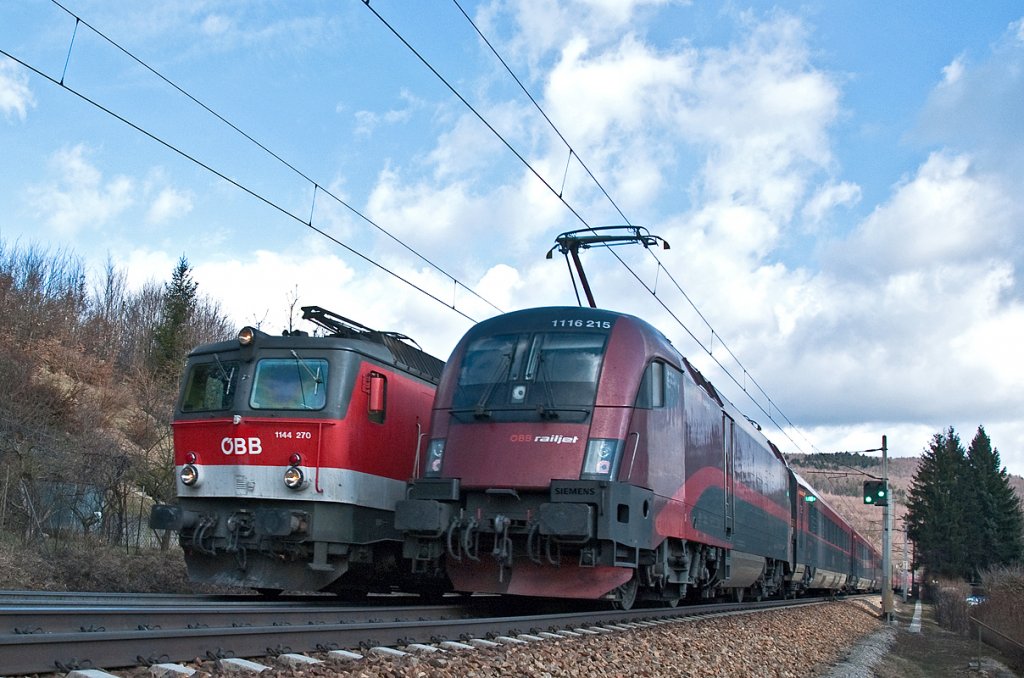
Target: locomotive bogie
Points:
(301, 546)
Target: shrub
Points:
(1003, 609)
(950, 599)
(90, 563)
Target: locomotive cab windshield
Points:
(520, 377)
(210, 386)
(289, 384)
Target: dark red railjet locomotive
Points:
(573, 452)
(291, 452)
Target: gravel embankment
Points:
(798, 643)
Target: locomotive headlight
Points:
(294, 478)
(602, 459)
(189, 475)
(435, 455)
(245, 335)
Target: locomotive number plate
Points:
(587, 324)
(298, 435)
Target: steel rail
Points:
(13, 597)
(21, 620)
(64, 651)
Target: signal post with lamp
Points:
(876, 493)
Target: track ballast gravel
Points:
(798, 642)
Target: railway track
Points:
(96, 613)
(62, 632)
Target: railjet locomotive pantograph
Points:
(291, 452)
(574, 453)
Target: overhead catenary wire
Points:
(559, 195)
(292, 167)
(540, 109)
(660, 266)
(456, 283)
(231, 181)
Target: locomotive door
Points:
(729, 472)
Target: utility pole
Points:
(905, 584)
(887, 601)
(877, 492)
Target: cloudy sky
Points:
(842, 184)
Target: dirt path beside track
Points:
(934, 652)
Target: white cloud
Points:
(954, 71)
(215, 25)
(368, 121)
(914, 327)
(828, 197)
(143, 266)
(260, 288)
(422, 209)
(468, 148)
(501, 285)
(80, 197)
(614, 90)
(765, 112)
(247, 26)
(757, 110)
(946, 213)
(544, 26)
(15, 96)
(169, 204)
(978, 108)
(256, 289)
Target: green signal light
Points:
(876, 492)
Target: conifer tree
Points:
(996, 535)
(170, 337)
(937, 508)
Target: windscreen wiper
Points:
(224, 373)
(317, 380)
(480, 411)
(546, 410)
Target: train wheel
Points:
(625, 595)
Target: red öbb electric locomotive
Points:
(291, 452)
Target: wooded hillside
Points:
(89, 379)
(840, 478)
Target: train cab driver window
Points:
(289, 384)
(652, 388)
(210, 386)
